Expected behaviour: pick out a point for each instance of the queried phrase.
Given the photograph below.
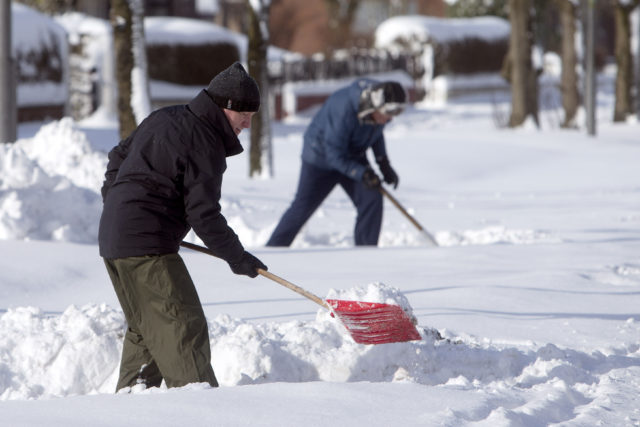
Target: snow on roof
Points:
(427, 28)
(43, 30)
(210, 7)
(186, 31)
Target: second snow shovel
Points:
(424, 232)
(367, 322)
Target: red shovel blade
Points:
(374, 323)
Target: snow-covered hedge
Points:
(186, 51)
(449, 46)
(41, 54)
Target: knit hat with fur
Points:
(387, 97)
(235, 90)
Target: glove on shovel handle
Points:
(266, 274)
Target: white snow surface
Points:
(535, 284)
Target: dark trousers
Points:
(167, 335)
(314, 186)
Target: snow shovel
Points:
(420, 228)
(367, 322)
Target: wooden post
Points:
(590, 81)
(8, 74)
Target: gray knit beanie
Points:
(235, 90)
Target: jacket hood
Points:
(207, 110)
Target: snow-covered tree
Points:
(131, 63)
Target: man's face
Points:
(380, 118)
(238, 119)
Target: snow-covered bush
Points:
(41, 55)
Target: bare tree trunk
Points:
(624, 61)
(590, 83)
(8, 79)
(140, 96)
(518, 69)
(260, 158)
(569, 77)
(128, 43)
(121, 17)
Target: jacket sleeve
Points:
(116, 157)
(202, 190)
(341, 124)
(379, 148)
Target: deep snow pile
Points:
(77, 352)
(49, 186)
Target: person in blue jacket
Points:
(350, 122)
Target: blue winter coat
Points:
(337, 139)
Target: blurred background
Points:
(66, 55)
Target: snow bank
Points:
(44, 355)
(49, 186)
(60, 148)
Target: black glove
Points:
(247, 265)
(390, 176)
(370, 179)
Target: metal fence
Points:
(342, 64)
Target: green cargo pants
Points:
(167, 335)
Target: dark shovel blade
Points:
(374, 323)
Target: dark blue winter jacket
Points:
(337, 139)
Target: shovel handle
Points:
(293, 287)
(420, 228)
(266, 274)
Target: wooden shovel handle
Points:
(420, 228)
(293, 287)
(266, 274)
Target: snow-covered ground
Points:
(535, 285)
